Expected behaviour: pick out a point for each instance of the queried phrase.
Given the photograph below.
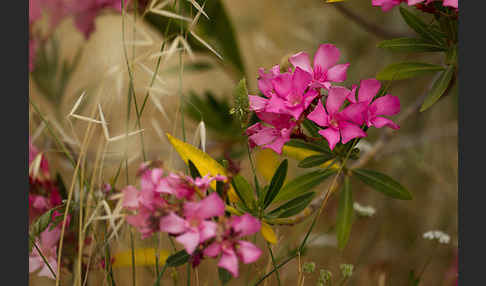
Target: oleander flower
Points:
(374, 110)
(268, 136)
(339, 127)
(325, 69)
(196, 226)
(232, 248)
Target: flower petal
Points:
(282, 84)
(229, 261)
(190, 240)
(130, 197)
(350, 131)
(319, 115)
(248, 252)
(386, 105)
(337, 95)
(207, 230)
(245, 225)
(213, 249)
(355, 112)
(300, 80)
(327, 55)
(173, 223)
(337, 73)
(257, 103)
(368, 89)
(331, 135)
(379, 122)
(208, 207)
(302, 61)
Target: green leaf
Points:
(311, 127)
(345, 215)
(382, 183)
(420, 26)
(243, 190)
(294, 206)
(224, 276)
(308, 146)
(302, 184)
(177, 259)
(438, 89)
(61, 186)
(407, 70)
(41, 223)
(315, 160)
(193, 170)
(411, 45)
(276, 183)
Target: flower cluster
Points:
(84, 13)
(387, 5)
(169, 203)
(290, 97)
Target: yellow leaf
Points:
(143, 257)
(266, 162)
(332, 1)
(300, 154)
(204, 163)
(268, 233)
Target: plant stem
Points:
(274, 264)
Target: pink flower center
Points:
(319, 74)
(333, 122)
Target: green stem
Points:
(132, 246)
(274, 264)
(159, 276)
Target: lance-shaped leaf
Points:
(345, 215)
(407, 70)
(224, 276)
(193, 170)
(204, 163)
(383, 183)
(294, 206)
(315, 160)
(302, 184)
(243, 190)
(308, 146)
(268, 233)
(276, 183)
(178, 258)
(311, 127)
(411, 45)
(420, 26)
(438, 89)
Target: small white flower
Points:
(438, 235)
(368, 211)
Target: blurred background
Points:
(422, 155)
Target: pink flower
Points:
(325, 70)
(196, 226)
(265, 80)
(86, 11)
(269, 137)
(338, 127)
(292, 96)
(48, 246)
(386, 5)
(231, 248)
(387, 105)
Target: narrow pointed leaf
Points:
(302, 184)
(224, 276)
(419, 26)
(178, 259)
(345, 215)
(315, 160)
(243, 190)
(411, 45)
(294, 206)
(438, 89)
(308, 146)
(276, 183)
(407, 70)
(383, 183)
(268, 233)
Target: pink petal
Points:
(245, 225)
(257, 103)
(413, 2)
(248, 252)
(309, 96)
(276, 104)
(207, 230)
(386, 105)
(173, 223)
(208, 207)
(302, 61)
(331, 135)
(190, 240)
(282, 84)
(276, 145)
(35, 262)
(451, 3)
(319, 115)
(355, 112)
(49, 238)
(213, 249)
(379, 122)
(352, 95)
(130, 197)
(278, 120)
(350, 131)
(327, 55)
(264, 136)
(300, 80)
(46, 272)
(368, 89)
(337, 73)
(337, 95)
(229, 261)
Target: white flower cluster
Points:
(368, 211)
(438, 235)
